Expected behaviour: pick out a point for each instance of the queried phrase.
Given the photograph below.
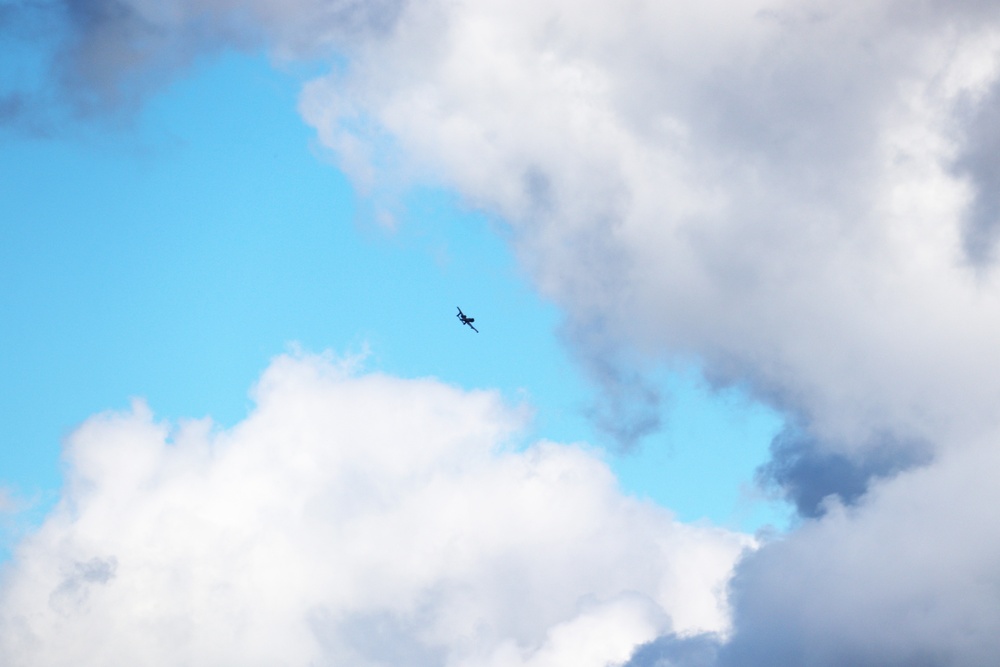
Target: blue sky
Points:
(170, 258)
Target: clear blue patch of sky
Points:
(173, 259)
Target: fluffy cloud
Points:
(786, 192)
(350, 519)
(907, 577)
(798, 196)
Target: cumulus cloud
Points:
(799, 197)
(907, 576)
(350, 519)
(771, 190)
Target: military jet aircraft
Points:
(467, 320)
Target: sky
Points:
(733, 399)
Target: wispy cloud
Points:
(105, 57)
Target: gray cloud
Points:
(675, 651)
(909, 577)
(106, 56)
(114, 54)
(375, 638)
(978, 162)
(72, 592)
(807, 474)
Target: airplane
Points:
(467, 320)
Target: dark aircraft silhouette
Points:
(467, 320)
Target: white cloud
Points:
(906, 578)
(798, 195)
(768, 188)
(350, 519)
